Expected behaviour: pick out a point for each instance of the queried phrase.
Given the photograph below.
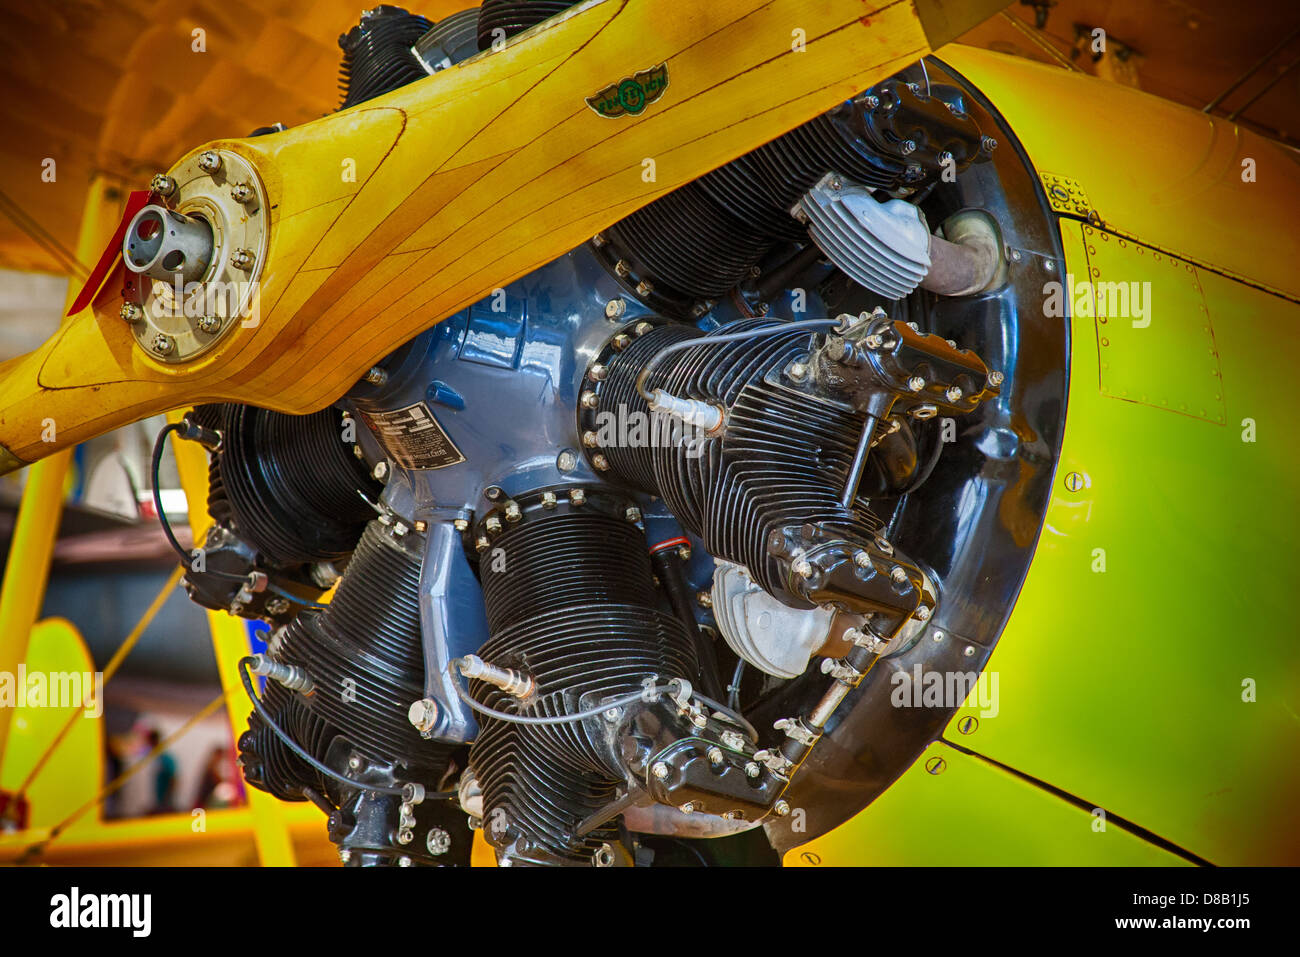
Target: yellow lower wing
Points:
(387, 217)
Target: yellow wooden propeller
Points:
(381, 220)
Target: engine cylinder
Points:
(782, 460)
(294, 489)
(571, 602)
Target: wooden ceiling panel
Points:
(114, 85)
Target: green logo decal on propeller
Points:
(632, 94)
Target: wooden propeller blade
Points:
(465, 181)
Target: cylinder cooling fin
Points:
(571, 602)
(296, 490)
(377, 54)
(684, 251)
(783, 460)
(500, 19)
(364, 658)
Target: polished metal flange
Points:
(182, 295)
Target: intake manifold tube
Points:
(969, 260)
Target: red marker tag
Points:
(137, 201)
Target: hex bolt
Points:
(162, 184)
(923, 613)
(209, 324)
(376, 375)
(797, 371)
(752, 770)
(659, 770)
(995, 379)
(633, 514)
(641, 328)
(403, 861)
(688, 807)
(988, 144)
(782, 808)
(643, 288)
(597, 373)
(803, 568)
(862, 559)
(209, 161)
(513, 512)
(577, 496)
(601, 463)
(423, 714)
(615, 308)
(131, 312)
(380, 471)
(874, 341)
(493, 524)
(622, 268)
(241, 259)
(704, 599)
(461, 525)
(907, 147)
(953, 393)
(916, 383)
(242, 192)
(566, 461)
(548, 500)
(163, 345)
(482, 543)
(898, 574)
(715, 756)
(621, 342)
(590, 400)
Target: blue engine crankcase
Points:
(484, 406)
